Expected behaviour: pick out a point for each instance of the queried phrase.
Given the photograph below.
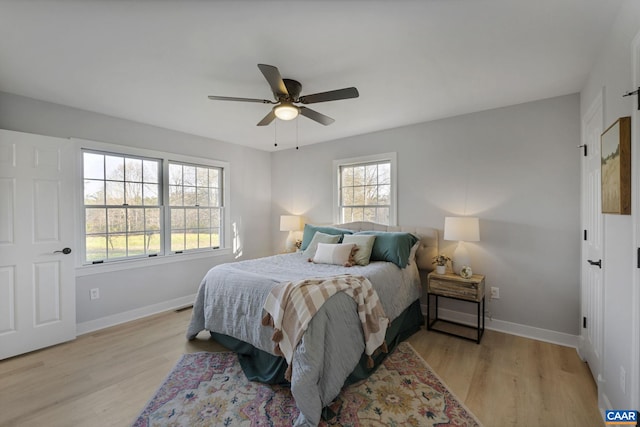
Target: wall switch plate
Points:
(495, 293)
(94, 293)
(623, 379)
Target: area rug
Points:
(210, 389)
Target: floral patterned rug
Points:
(210, 389)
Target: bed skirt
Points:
(261, 366)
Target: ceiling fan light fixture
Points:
(286, 111)
(286, 92)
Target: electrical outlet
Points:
(495, 293)
(94, 293)
(623, 379)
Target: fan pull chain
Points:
(275, 133)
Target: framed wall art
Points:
(615, 167)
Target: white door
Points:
(634, 377)
(592, 292)
(37, 283)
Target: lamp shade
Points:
(465, 229)
(289, 223)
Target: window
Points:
(366, 189)
(137, 206)
(195, 200)
(122, 200)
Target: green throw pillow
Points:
(310, 230)
(364, 244)
(320, 238)
(391, 246)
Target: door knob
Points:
(598, 263)
(65, 251)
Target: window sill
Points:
(88, 270)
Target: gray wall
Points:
(613, 74)
(133, 289)
(516, 168)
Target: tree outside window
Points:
(122, 206)
(365, 192)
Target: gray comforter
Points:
(230, 301)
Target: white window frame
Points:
(169, 228)
(354, 161)
(84, 268)
(125, 206)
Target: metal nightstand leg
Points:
(435, 319)
(480, 314)
(479, 325)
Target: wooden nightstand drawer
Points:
(448, 285)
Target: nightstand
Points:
(455, 287)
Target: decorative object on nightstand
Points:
(462, 229)
(441, 263)
(456, 287)
(292, 224)
(466, 272)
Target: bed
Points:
(230, 299)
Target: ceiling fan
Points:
(287, 94)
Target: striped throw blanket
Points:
(291, 305)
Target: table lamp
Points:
(462, 229)
(290, 223)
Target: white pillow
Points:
(320, 238)
(338, 254)
(364, 244)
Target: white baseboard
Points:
(138, 313)
(539, 334)
(604, 403)
(532, 332)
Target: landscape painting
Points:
(616, 167)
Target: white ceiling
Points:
(155, 62)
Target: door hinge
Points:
(584, 148)
(598, 262)
(585, 235)
(584, 322)
(638, 259)
(635, 92)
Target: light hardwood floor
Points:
(105, 378)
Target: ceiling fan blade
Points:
(267, 119)
(314, 115)
(231, 98)
(274, 78)
(332, 95)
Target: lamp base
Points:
(290, 245)
(460, 258)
